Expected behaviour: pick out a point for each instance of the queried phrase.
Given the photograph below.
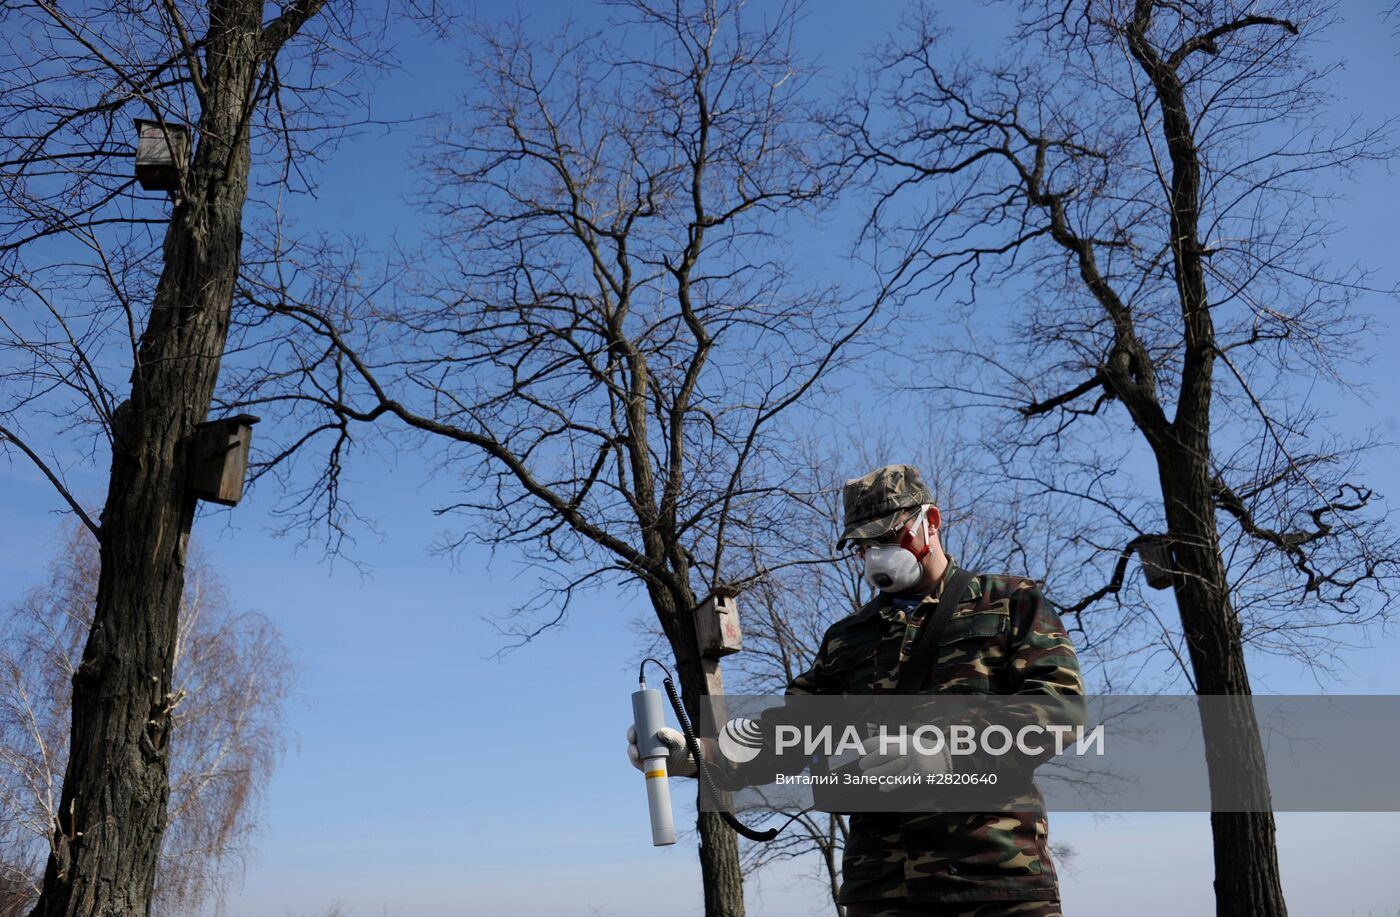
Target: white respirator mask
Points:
(896, 567)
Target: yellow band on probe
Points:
(651, 774)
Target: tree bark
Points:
(720, 871)
(1247, 878)
(719, 867)
(107, 838)
(1247, 881)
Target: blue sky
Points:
(433, 779)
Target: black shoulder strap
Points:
(916, 668)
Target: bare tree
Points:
(232, 677)
(1148, 181)
(106, 284)
(608, 317)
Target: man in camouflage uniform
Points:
(1003, 638)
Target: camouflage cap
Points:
(874, 502)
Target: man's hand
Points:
(680, 762)
(891, 763)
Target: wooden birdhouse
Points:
(717, 624)
(220, 460)
(161, 149)
(1156, 556)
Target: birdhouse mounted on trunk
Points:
(717, 625)
(220, 459)
(1156, 557)
(161, 149)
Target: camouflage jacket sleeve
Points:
(1042, 668)
(1042, 659)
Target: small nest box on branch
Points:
(717, 624)
(220, 459)
(161, 150)
(1156, 556)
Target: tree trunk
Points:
(833, 870)
(720, 874)
(719, 846)
(1247, 881)
(116, 785)
(719, 867)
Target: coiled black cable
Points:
(701, 768)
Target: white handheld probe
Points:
(648, 717)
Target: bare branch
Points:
(8, 436)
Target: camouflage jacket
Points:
(1003, 638)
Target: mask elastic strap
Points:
(923, 520)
